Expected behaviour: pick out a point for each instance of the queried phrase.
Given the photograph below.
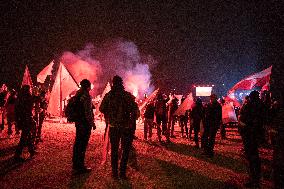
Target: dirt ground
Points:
(175, 165)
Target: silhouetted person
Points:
(161, 117)
(119, 108)
(24, 120)
(10, 111)
(83, 125)
(149, 119)
(197, 114)
(213, 118)
(251, 120)
(173, 106)
(3, 95)
(41, 107)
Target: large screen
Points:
(203, 91)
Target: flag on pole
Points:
(105, 146)
(186, 105)
(256, 80)
(27, 78)
(151, 97)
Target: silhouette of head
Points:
(85, 84)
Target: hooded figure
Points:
(120, 111)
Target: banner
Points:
(256, 80)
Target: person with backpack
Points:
(84, 123)
(120, 109)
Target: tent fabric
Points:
(256, 80)
(45, 72)
(64, 85)
(185, 105)
(27, 80)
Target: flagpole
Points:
(60, 91)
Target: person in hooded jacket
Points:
(120, 110)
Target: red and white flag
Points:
(256, 80)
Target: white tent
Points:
(64, 85)
(45, 72)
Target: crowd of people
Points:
(27, 111)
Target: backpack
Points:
(72, 110)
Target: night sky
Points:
(195, 42)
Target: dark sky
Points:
(195, 42)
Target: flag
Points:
(105, 146)
(256, 80)
(27, 78)
(185, 105)
(151, 97)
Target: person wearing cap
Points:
(252, 117)
(120, 110)
(213, 119)
(83, 127)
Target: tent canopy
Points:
(64, 85)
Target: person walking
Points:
(213, 119)
(119, 108)
(197, 114)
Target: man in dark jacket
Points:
(161, 117)
(251, 120)
(197, 114)
(213, 118)
(173, 106)
(120, 109)
(41, 107)
(24, 119)
(149, 119)
(83, 126)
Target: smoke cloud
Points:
(116, 57)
